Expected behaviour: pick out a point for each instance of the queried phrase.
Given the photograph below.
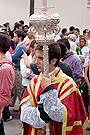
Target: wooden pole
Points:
(31, 9)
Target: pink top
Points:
(10, 49)
(6, 82)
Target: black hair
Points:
(21, 21)
(11, 34)
(84, 31)
(71, 28)
(17, 26)
(66, 42)
(26, 26)
(20, 33)
(64, 30)
(77, 29)
(4, 42)
(54, 52)
(63, 48)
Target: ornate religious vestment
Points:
(75, 119)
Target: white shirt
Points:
(77, 40)
(25, 72)
(85, 52)
(88, 43)
(8, 55)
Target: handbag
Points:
(82, 84)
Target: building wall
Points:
(72, 12)
(13, 11)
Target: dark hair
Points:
(77, 29)
(21, 21)
(17, 26)
(62, 35)
(54, 52)
(63, 48)
(32, 43)
(20, 33)
(4, 42)
(88, 34)
(6, 24)
(64, 30)
(71, 28)
(26, 26)
(39, 47)
(11, 34)
(65, 41)
(84, 31)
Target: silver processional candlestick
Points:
(44, 28)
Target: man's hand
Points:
(30, 77)
(24, 56)
(45, 81)
(26, 61)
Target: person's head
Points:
(72, 37)
(4, 42)
(64, 31)
(66, 42)
(63, 48)
(21, 22)
(88, 36)
(7, 25)
(85, 31)
(54, 57)
(11, 35)
(32, 47)
(71, 29)
(17, 27)
(26, 28)
(76, 31)
(82, 42)
(19, 36)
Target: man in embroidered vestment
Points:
(56, 100)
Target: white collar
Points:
(19, 43)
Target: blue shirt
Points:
(17, 53)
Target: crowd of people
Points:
(60, 100)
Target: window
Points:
(88, 4)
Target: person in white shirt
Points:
(27, 73)
(77, 33)
(84, 49)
